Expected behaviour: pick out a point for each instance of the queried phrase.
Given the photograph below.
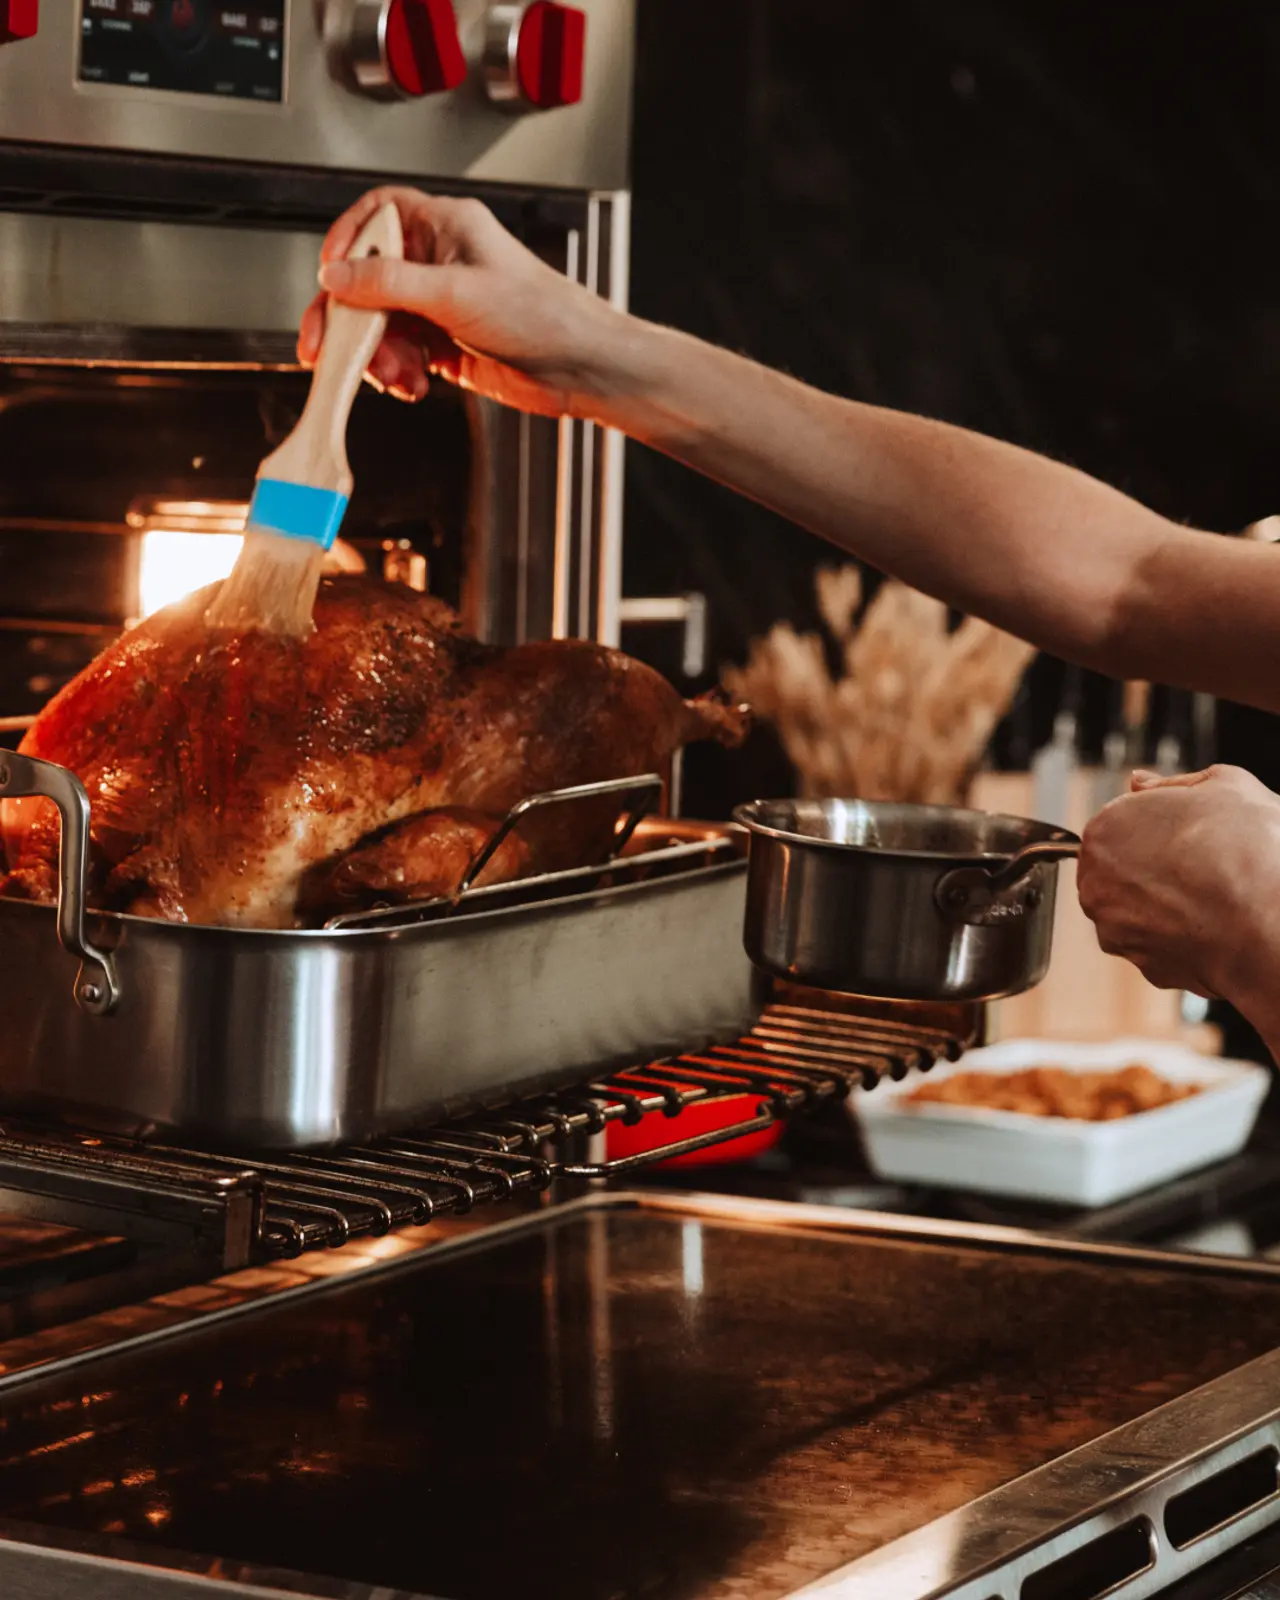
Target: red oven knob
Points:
(424, 54)
(19, 19)
(533, 55)
(401, 49)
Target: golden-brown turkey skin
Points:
(223, 768)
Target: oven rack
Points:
(237, 1208)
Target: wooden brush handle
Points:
(315, 452)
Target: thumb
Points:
(1141, 780)
(385, 284)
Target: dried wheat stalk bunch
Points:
(914, 709)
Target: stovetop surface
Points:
(615, 1403)
(36, 1256)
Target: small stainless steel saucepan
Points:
(901, 902)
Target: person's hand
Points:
(468, 302)
(1181, 876)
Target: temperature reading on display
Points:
(195, 46)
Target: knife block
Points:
(1087, 994)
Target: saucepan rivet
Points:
(90, 993)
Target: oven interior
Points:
(121, 489)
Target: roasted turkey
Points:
(253, 780)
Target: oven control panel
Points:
(195, 46)
(513, 92)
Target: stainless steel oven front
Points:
(167, 171)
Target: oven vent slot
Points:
(124, 206)
(1221, 1498)
(1098, 1568)
(101, 183)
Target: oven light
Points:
(174, 563)
(185, 544)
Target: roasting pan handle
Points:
(646, 788)
(97, 989)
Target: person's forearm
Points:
(1034, 546)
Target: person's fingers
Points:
(342, 235)
(410, 350)
(384, 284)
(1160, 974)
(400, 366)
(1088, 894)
(431, 223)
(383, 369)
(1109, 943)
(311, 331)
(443, 356)
(1141, 780)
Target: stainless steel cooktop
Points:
(665, 1397)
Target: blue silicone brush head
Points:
(296, 511)
(288, 530)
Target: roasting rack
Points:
(616, 865)
(238, 1208)
(619, 864)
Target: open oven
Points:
(168, 173)
(169, 170)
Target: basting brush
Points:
(303, 486)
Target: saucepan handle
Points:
(647, 787)
(97, 989)
(967, 890)
(1031, 856)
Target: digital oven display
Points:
(196, 46)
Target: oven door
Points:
(165, 350)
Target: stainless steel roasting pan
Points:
(264, 1038)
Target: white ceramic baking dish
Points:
(1051, 1158)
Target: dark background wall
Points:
(1054, 223)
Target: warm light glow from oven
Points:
(172, 564)
(185, 544)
